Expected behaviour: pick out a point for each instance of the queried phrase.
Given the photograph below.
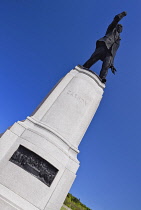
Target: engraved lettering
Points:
(76, 96)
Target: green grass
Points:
(74, 203)
(63, 208)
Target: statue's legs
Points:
(105, 66)
(98, 54)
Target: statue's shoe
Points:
(103, 80)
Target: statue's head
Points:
(119, 28)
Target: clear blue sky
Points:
(40, 41)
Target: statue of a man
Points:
(106, 48)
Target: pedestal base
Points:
(38, 156)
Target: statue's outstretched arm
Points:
(117, 18)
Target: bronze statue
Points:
(106, 48)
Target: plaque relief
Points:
(34, 164)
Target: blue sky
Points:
(41, 40)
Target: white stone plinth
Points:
(53, 132)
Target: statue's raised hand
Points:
(124, 13)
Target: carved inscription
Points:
(77, 97)
(34, 164)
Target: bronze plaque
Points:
(34, 164)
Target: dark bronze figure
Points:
(106, 48)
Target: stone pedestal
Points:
(38, 156)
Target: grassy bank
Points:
(74, 203)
